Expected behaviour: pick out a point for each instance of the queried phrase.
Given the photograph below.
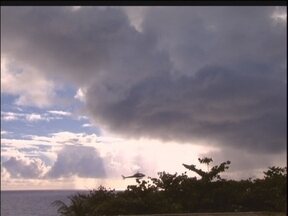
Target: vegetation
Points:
(174, 193)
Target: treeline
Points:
(174, 193)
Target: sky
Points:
(92, 93)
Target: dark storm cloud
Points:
(77, 160)
(245, 164)
(86, 46)
(199, 36)
(243, 161)
(193, 73)
(232, 107)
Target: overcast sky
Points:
(90, 93)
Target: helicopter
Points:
(137, 175)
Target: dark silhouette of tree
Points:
(174, 193)
(213, 173)
(205, 160)
(77, 206)
(275, 172)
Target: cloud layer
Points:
(24, 168)
(188, 74)
(80, 161)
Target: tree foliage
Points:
(174, 193)
(213, 173)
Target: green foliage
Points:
(173, 193)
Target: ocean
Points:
(32, 203)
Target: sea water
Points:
(32, 203)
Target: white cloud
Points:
(60, 112)
(77, 160)
(34, 117)
(31, 87)
(11, 116)
(5, 175)
(81, 117)
(74, 157)
(280, 15)
(25, 167)
(3, 132)
(87, 125)
(119, 156)
(136, 16)
(80, 95)
(76, 8)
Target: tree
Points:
(173, 193)
(205, 160)
(275, 172)
(209, 175)
(77, 206)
